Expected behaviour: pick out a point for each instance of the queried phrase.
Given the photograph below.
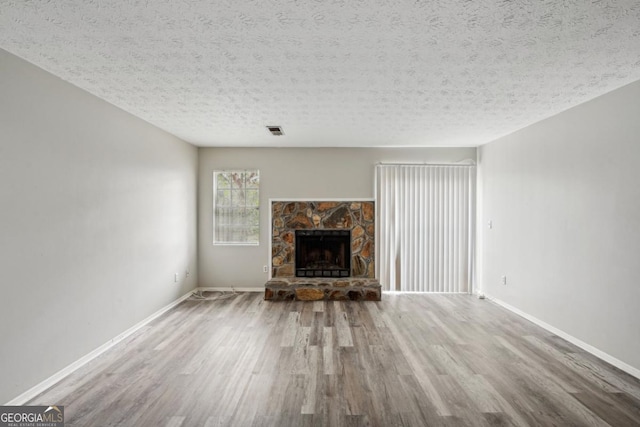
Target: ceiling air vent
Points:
(275, 130)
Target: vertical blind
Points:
(425, 227)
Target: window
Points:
(236, 207)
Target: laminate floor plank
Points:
(606, 373)
(408, 360)
(423, 412)
(568, 363)
(602, 408)
(545, 367)
(570, 406)
(462, 411)
(317, 328)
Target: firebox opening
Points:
(323, 253)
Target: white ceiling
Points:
(334, 72)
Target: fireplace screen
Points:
(323, 253)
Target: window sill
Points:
(235, 244)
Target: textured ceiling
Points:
(334, 72)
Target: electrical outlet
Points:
(175, 277)
(504, 280)
(265, 268)
(186, 274)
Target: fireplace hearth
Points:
(323, 253)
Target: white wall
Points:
(290, 173)
(564, 198)
(98, 212)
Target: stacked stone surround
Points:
(287, 217)
(357, 216)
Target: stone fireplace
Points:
(323, 250)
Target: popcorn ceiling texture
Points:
(333, 73)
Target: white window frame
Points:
(216, 241)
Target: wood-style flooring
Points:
(409, 360)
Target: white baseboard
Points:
(583, 345)
(42, 386)
(230, 289)
(424, 293)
